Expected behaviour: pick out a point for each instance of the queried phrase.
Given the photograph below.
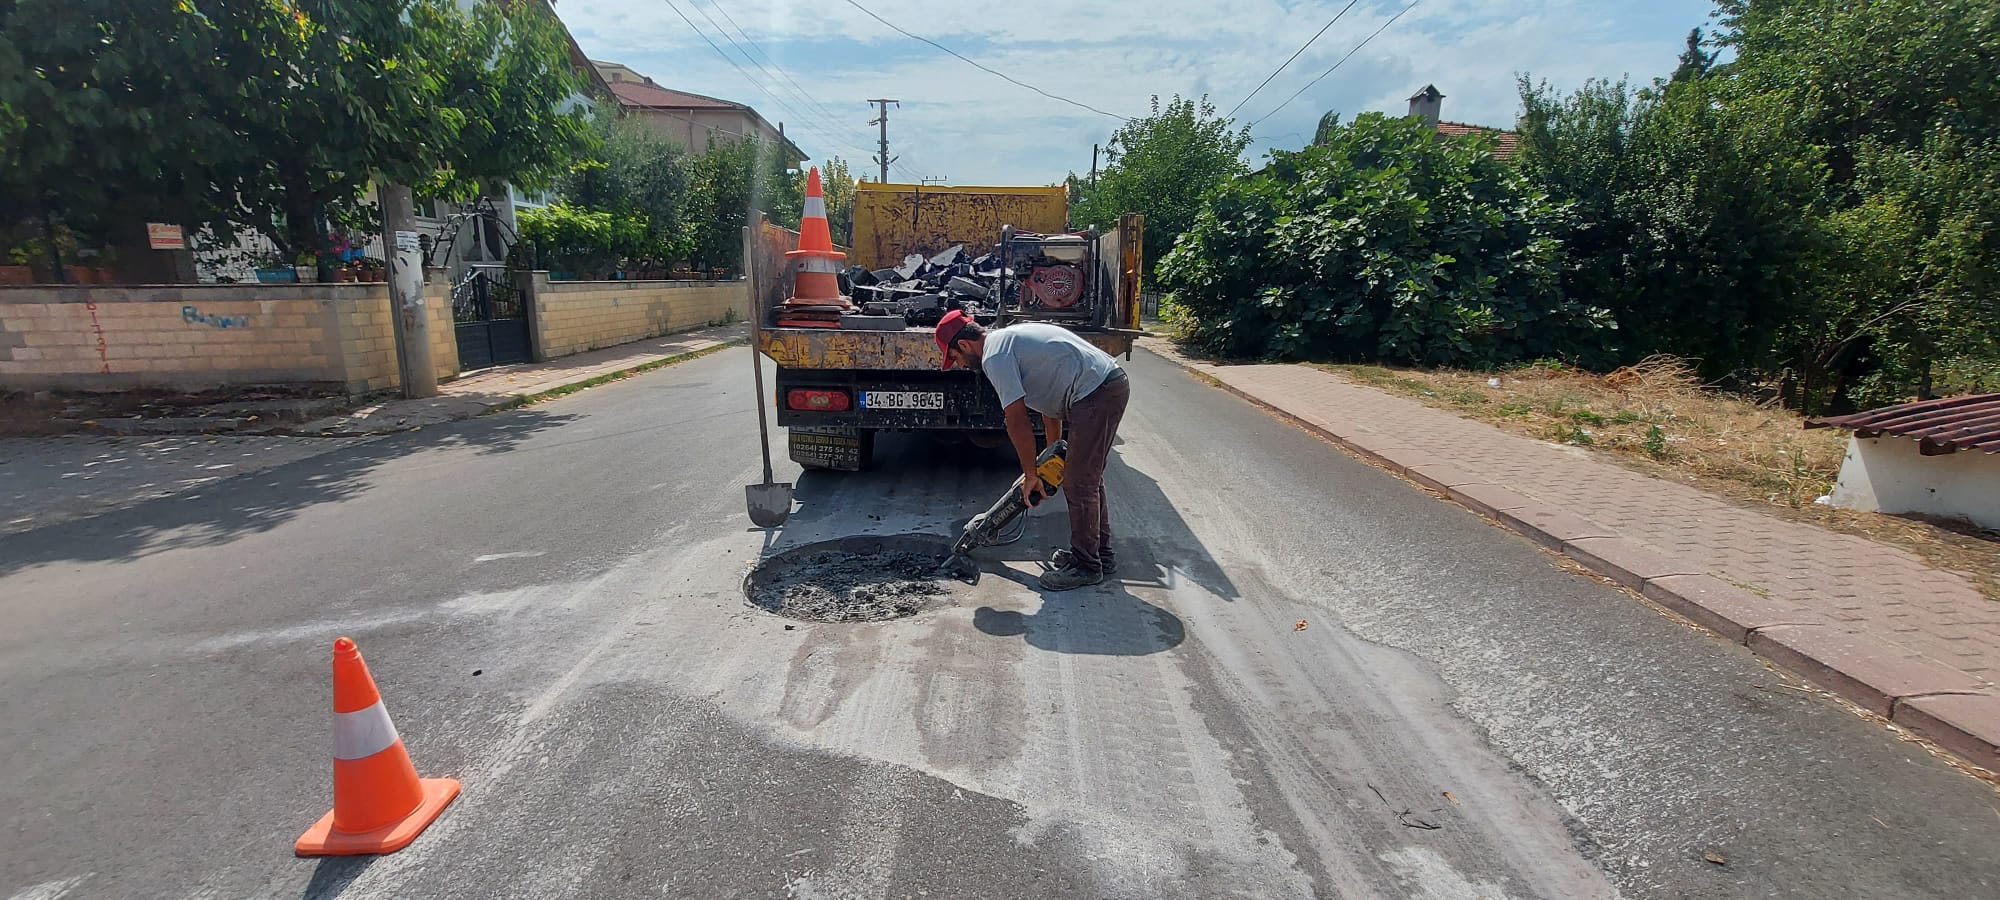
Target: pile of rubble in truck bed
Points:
(1041, 275)
(921, 290)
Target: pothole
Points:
(855, 579)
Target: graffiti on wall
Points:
(194, 316)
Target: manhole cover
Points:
(856, 579)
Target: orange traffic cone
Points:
(379, 803)
(816, 288)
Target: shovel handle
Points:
(756, 344)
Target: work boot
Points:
(1069, 577)
(1061, 559)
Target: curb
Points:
(453, 409)
(1951, 708)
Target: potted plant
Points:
(370, 269)
(347, 274)
(14, 268)
(272, 270)
(307, 267)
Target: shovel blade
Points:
(770, 504)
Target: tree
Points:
(107, 108)
(274, 116)
(636, 174)
(1817, 209)
(1695, 60)
(838, 185)
(1691, 219)
(1901, 102)
(1329, 122)
(732, 179)
(1384, 243)
(412, 91)
(1164, 165)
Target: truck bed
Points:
(912, 349)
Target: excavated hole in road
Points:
(856, 579)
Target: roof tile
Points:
(651, 96)
(1970, 422)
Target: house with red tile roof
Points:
(688, 120)
(1428, 104)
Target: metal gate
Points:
(491, 320)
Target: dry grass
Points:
(1659, 418)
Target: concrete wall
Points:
(574, 316)
(188, 337)
(1891, 475)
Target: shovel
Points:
(771, 502)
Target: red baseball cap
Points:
(947, 331)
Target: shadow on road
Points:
(334, 874)
(917, 474)
(247, 504)
(920, 475)
(1102, 621)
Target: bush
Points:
(1383, 243)
(571, 239)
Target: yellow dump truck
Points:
(1002, 254)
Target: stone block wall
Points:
(574, 316)
(190, 337)
(368, 335)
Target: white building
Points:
(1935, 457)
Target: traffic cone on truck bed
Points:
(816, 301)
(379, 803)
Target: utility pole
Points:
(935, 179)
(408, 318)
(884, 159)
(1093, 165)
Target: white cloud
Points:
(960, 122)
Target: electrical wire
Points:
(1295, 55)
(733, 64)
(990, 71)
(770, 59)
(805, 116)
(1330, 69)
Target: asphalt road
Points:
(551, 601)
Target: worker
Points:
(1075, 386)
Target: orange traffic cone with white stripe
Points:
(816, 298)
(379, 803)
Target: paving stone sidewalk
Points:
(1869, 621)
(508, 385)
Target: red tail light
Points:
(811, 400)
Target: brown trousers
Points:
(1092, 424)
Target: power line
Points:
(752, 79)
(1329, 71)
(771, 59)
(739, 68)
(825, 125)
(995, 72)
(1295, 55)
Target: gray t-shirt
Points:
(1046, 365)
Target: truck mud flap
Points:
(838, 448)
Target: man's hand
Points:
(1033, 492)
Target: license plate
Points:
(902, 400)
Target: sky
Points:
(814, 66)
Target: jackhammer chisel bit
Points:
(984, 529)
